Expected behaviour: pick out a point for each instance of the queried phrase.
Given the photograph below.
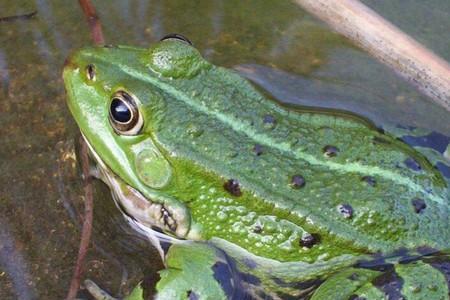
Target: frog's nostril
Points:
(90, 72)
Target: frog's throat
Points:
(142, 212)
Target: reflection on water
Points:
(13, 263)
(275, 44)
(4, 74)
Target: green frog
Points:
(246, 198)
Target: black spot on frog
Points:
(232, 186)
(346, 210)
(330, 151)
(412, 164)
(258, 149)
(297, 181)
(369, 180)
(257, 229)
(419, 205)
(269, 121)
(309, 240)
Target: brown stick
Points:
(379, 37)
(87, 222)
(98, 39)
(93, 21)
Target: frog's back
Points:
(335, 172)
(333, 176)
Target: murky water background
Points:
(274, 43)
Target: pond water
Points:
(275, 44)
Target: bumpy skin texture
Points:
(291, 187)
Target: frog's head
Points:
(114, 97)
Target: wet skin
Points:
(285, 202)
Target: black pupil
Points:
(120, 111)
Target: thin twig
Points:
(93, 21)
(87, 222)
(417, 64)
(98, 39)
(77, 219)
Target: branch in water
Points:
(93, 21)
(87, 222)
(98, 39)
(383, 40)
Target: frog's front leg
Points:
(196, 271)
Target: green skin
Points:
(204, 125)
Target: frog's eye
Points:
(124, 114)
(176, 36)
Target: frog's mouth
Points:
(155, 220)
